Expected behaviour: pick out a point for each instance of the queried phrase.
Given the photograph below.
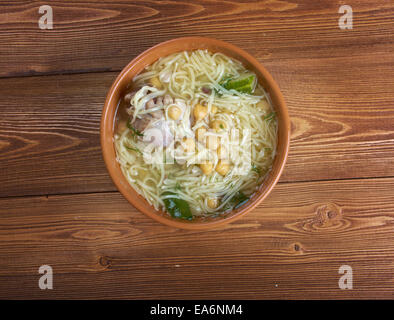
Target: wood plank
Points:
(49, 134)
(104, 36)
(291, 246)
(49, 125)
(342, 114)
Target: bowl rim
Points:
(116, 174)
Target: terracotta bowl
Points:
(147, 58)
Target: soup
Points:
(196, 134)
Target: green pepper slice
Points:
(178, 208)
(244, 84)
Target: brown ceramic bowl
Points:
(147, 58)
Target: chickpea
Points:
(189, 144)
(212, 142)
(264, 105)
(155, 82)
(222, 152)
(200, 132)
(200, 112)
(213, 203)
(206, 168)
(174, 112)
(214, 109)
(218, 125)
(223, 167)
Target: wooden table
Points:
(333, 206)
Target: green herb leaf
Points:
(178, 208)
(270, 116)
(222, 82)
(218, 92)
(239, 199)
(256, 169)
(245, 83)
(133, 149)
(135, 132)
(178, 186)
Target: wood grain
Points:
(99, 246)
(103, 36)
(49, 126)
(334, 204)
(49, 135)
(342, 114)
